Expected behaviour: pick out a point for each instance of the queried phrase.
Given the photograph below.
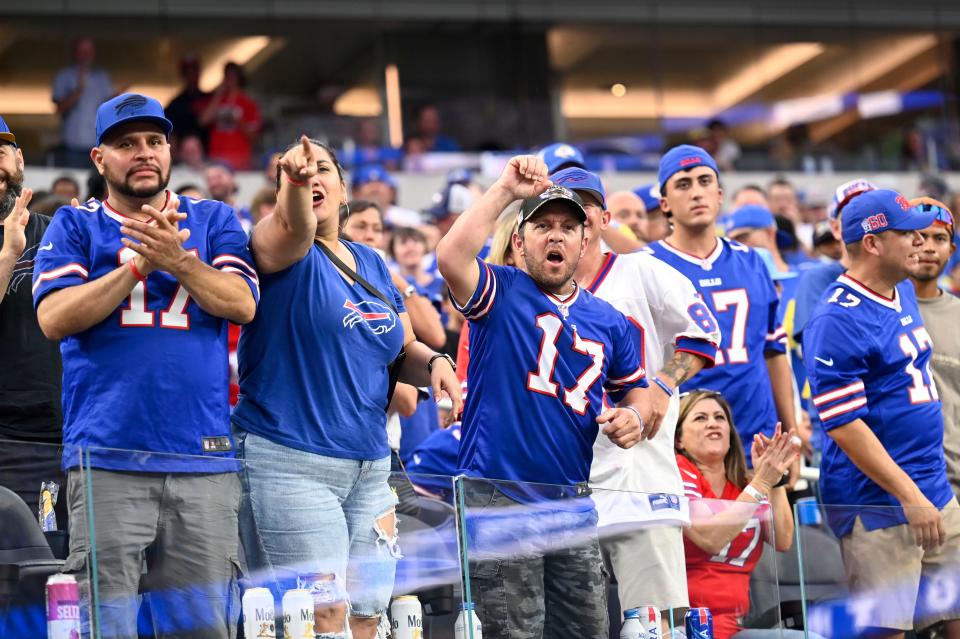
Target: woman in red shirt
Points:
(730, 509)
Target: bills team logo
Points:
(132, 104)
(874, 223)
(379, 318)
(903, 202)
(694, 159)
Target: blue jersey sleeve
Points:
(493, 279)
(230, 253)
(835, 351)
(626, 367)
(63, 257)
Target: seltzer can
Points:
(63, 607)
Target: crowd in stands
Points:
(726, 341)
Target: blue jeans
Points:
(304, 515)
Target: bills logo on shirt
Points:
(378, 317)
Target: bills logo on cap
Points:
(904, 204)
(691, 160)
(131, 104)
(574, 176)
(876, 222)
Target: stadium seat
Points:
(25, 563)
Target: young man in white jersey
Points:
(641, 540)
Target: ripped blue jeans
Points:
(304, 515)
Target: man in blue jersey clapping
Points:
(139, 288)
(543, 351)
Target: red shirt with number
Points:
(720, 582)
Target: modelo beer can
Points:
(699, 623)
(466, 620)
(406, 616)
(63, 607)
(632, 628)
(298, 614)
(258, 613)
(650, 618)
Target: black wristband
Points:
(783, 480)
(437, 356)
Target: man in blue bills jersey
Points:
(542, 352)
(139, 289)
(751, 369)
(868, 361)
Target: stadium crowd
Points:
(647, 371)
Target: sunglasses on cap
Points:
(930, 205)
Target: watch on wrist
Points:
(409, 292)
(437, 356)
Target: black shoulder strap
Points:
(355, 276)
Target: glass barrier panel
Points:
(864, 568)
(281, 543)
(575, 562)
(33, 538)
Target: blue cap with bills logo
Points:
(577, 179)
(881, 210)
(560, 156)
(682, 158)
(130, 107)
(6, 135)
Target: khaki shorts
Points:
(896, 583)
(649, 565)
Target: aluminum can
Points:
(650, 618)
(465, 620)
(699, 623)
(258, 614)
(632, 627)
(63, 607)
(298, 614)
(406, 616)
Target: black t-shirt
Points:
(30, 370)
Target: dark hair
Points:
(322, 145)
(735, 462)
(782, 181)
(750, 187)
(358, 206)
(236, 68)
(65, 178)
(716, 123)
(96, 185)
(405, 233)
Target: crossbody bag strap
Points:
(355, 276)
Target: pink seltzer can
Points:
(63, 607)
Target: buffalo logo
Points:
(904, 204)
(133, 104)
(575, 176)
(379, 318)
(693, 159)
(874, 223)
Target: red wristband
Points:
(136, 271)
(294, 182)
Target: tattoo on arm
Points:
(682, 367)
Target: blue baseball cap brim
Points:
(130, 107)
(683, 158)
(6, 135)
(372, 173)
(882, 210)
(577, 179)
(750, 216)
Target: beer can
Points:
(63, 607)
(298, 614)
(406, 615)
(258, 614)
(632, 627)
(699, 623)
(650, 618)
(466, 620)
